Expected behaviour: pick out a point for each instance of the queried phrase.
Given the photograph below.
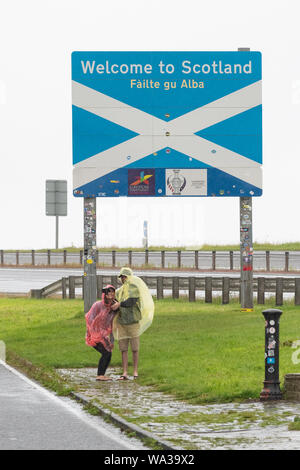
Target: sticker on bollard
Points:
(271, 390)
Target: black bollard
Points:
(271, 390)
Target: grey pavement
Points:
(32, 418)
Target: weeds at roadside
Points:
(295, 425)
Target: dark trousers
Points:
(104, 360)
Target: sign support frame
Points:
(56, 231)
(90, 249)
(246, 246)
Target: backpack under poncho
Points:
(135, 287)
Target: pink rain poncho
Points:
(99, 324)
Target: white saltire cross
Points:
(156, 134)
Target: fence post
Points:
(279, 291)
(208, 289)
(2, 256)
(286, 261)
(33, 257)
(146, 257)
(297, 291)
(49, 257)
(64, 287)
(267, 261)
(36, 294)
(162, 259)
(99, 286)
(113, 258)
(213, 260)
(175, 287)
(225, 290)
(192, 289)
(179, 259)
(17, 257)
(65, 256)
(71, 287)
(82, 282)
(196, 260)
(261, 290)
(231, 260)
(114, 281)
(160, 288)
(130, 257)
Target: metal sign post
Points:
(90, 273)
(271, 390)
(246, 253)
(56, 202)
(246, 246)
(56, 231)
(145, 239)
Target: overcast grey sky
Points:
(37, 39)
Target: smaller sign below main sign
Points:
(56, 197)
(186, 182)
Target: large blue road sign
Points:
(167, 124)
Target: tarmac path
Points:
(32, 418)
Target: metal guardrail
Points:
(224, 285)
(214, 260)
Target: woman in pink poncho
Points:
(99, 335)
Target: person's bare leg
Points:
(125, 363)
(135, 360)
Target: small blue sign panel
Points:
(271, 360)
(167, 124)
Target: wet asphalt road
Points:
(31, 418)
(22, 280)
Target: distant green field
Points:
(288, 246)
(196, 351)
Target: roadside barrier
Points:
(180, 259)
(175, 285)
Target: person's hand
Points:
(115, 306)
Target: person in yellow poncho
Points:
(135, 316)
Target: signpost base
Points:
(271, 391)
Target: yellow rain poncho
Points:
(144, 308)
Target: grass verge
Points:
(198, 352)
